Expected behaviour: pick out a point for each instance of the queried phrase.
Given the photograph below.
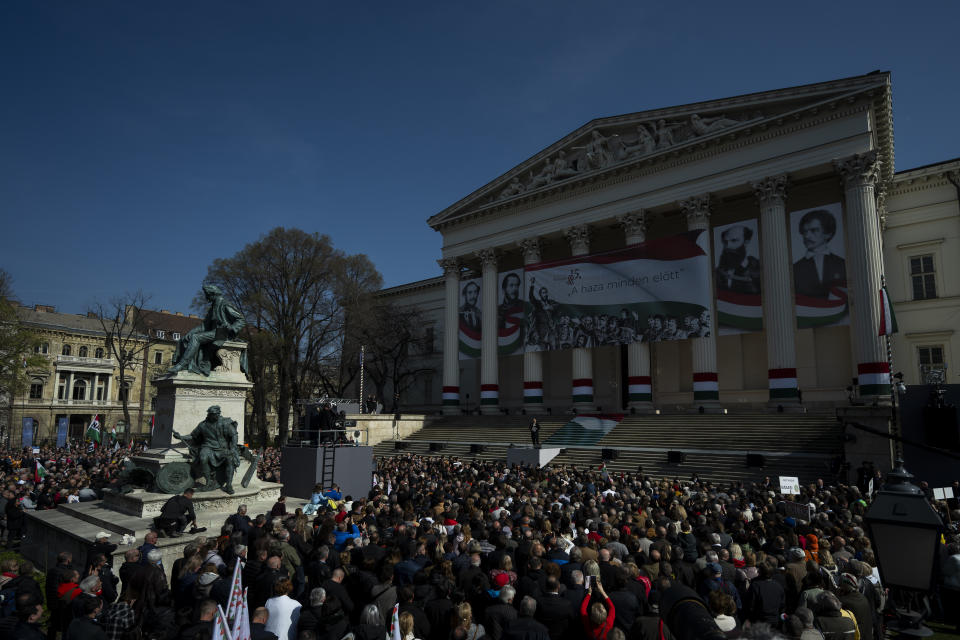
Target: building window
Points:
(62, 388)
(79, 389)
(99, 352)
(66, 350)
(923, 277)
(158, 357)
(124, 392)
(161, 334)
(36, 388)
(101, 388)
(43, 347)
(82, 352)
(153, 403)
(931, 363)
(176, 336)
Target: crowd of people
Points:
(474, 549)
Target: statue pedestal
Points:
(183, 397)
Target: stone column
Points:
(640, 384)
(582, 365)
(864, 268)
(532, 360)
(69, 397)
(706, 390)
(451, 336)
(778, 308)
(106, 388)
(489, 356)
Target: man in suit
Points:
(555, 612)
(819, 270)
(500, 615)
(469, 311)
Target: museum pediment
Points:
(607, 146)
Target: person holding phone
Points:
(598, 617)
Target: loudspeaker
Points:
(610, 454)
(477, 448)
(755, 460)
(437, 446)
(399, 444)
(676, 457)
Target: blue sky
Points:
(139, 141)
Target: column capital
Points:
(697, 211)
(859, 170)
(771, 190)
(531, 248)
(579, 239)
(488, 257)
(633, 223)
(450, 266)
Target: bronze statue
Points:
(197, 350)
(213, 448)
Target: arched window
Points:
(66, 350)
(79, 389)
(82, 352)
(98, 353)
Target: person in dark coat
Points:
(241, 523)
(202, 629)
(102, 545)
(555, 612)
(131, 563)
(525, 627)
(500, 615)
(335, 589)
(28, 622)
(258, 625)
(26, 585)
(421, 625)
(829, 620)
(84, 627)
(766, 599)
(856, 603)
(55, 577)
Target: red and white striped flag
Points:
(888, 321)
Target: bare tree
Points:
(293, 285)
(392, 338)
(127, 339)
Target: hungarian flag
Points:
(235, 602)
(888, 321)
(93, 431)
(153, 419)
(39, 473)
(241, 624)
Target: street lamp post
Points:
(905, 531)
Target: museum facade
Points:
(711, 256)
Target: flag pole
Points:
(894, 404)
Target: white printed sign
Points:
(789, 486)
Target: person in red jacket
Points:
(598, 617)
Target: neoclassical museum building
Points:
(728, 254)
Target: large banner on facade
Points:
(658, 290)
(819, 266)
(63, 427)
(26, 432)
(737, 275)
(510, 318)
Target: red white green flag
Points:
(221, 630)
(39, 473)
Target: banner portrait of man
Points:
(819, 266)
(470, 319)
(737, 274)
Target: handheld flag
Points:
(236, 595)
(241, 624)
(221, 631)
(888, 321)
(39, 473)
(93, 431)
(395, 623)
